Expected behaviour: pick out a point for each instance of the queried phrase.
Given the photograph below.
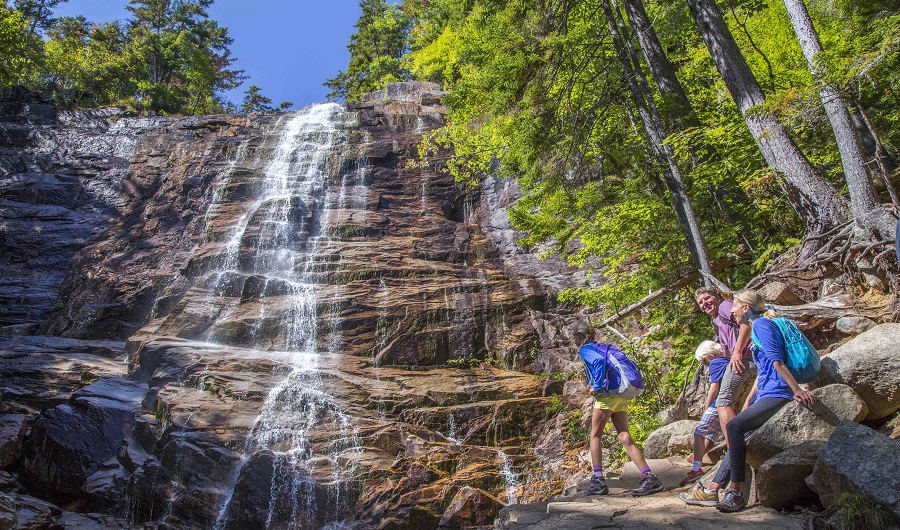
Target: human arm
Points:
(804, 397)
(737, 356)
(711, 395)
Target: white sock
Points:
(696, 466)
(598, 474)
(707, 490)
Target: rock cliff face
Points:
(268, 322)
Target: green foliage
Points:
(16, 46)
(853, 511)
(555, 405)
(169, 58)
(254, 101)
(375, 52)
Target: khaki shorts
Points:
(613, 403)
(736, 386)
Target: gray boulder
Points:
(781, 482)
(854, 325)
(859, 459)
(8, 519)
(795, 424)
(673, 438)
(869, 364)
(12, 432)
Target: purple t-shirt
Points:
(728, 330)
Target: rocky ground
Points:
(619, 509)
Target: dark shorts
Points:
(733, 385)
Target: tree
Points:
(652, 122)
(816, 202)
(185, 55)
(16, 48)
(254, 101)
(375, 52)
(867, 212)
(660, 66)
(38, 12)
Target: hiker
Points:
(735, 340)
(615, 408)
(775, 387)
(709, 431)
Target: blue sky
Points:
(287, 47)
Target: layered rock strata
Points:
(177, 366)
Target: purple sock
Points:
(598, 470)
(645, 469)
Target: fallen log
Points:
(828, 309)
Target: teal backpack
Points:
(802, 358)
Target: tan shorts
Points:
(736, 386)
(613, 403)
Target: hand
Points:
(804, 397)
(737, 364)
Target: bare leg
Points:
(726, 414)
(620, 422)
(598, 422)
(701, 447)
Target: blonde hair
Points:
(751, 298)
(708, 350)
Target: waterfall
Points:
(281, 245)
(510, 478)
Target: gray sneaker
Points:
(597, 487)
(650, 484)
(732, 501)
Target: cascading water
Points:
(280, 244)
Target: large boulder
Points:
(854, 325)
(12, 432)
(781, 481)
(68, 443)
(869, 364)
(859, 459)
(8, 519)
(471, 507)
(780, 293)
(795, 424)
(673, 438)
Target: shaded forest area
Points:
(169, 57)
(665, 144)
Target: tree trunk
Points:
(875, 151)
(816, 202)
(653, 126)
(867, 211)
(660, 67)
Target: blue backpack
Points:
(609, 371)
(802, 359)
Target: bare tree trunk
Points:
(867, 211)
(818, 204)
(653, 126)
(660, 67)
(875, 151)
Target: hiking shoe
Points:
(649, 484)
(692, 476)
(732, 501)
(598, 486)
(699, 497)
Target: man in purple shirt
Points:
(735, 340)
